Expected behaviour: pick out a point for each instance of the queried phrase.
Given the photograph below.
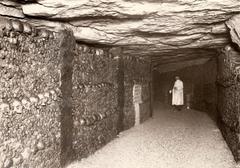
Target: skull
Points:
(46, 94)
(26, 103)
(85, 49)
(17, 106)
(42, 99)
(101, 52)
(97, 52)
(53, 95)
(27, 28)
(82, 122)
(58, 91)
(47, 97)
(33, 100)
(4, 108)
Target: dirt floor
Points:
(180, 139)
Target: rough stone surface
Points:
(229, 87)
(233, 25)
(94, 99)
(98, 116)
(138, 70)
(29, 99)
(58, 100)
(228, 97)
(232, 138)
(143, 28)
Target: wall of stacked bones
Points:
(229, 96)
(138, 70)
(95, 96)
(29, 96)
(94, 99)
(59, 100)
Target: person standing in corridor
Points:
(177, 93)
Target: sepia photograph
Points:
(119, 83)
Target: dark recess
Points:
(66, 52)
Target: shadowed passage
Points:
(180, 139)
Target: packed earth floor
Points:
(171, 139)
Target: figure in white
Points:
(137, 100)
(177, 94)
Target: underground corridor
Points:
(90, 84)
(190, 137)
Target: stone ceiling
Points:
(167, 30)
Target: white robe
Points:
(177, 93)
(137, 100)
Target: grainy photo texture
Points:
(119, 84)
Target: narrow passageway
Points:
(180, 139)
(78, 82)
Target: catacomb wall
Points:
(94, 99)
(138, 70)
(199, 83)
(30, 72)
(100, 79)
(229, 96)
(59, 100)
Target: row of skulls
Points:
(87, 49)
(136, 59)
(8, 25)
(91, 120)
(89, 86)
(17, 105)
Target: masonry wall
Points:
(30, 77)
(199, 83)
(102, 96)
(138, 70)
(94, 99)
(60, 100)
(229, 96)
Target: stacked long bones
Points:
(16, 106)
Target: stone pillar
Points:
(229, 98)
(67, 45)
(151, 90)
(117, 56)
